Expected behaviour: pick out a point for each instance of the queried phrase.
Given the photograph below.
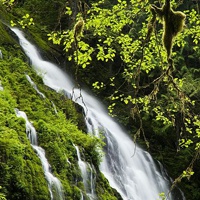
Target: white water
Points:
(54, 107)
(1, 55)
(34, 86)
(1, 87)
(129, 169)
(87, 175)
(54, 185)
(82, 198)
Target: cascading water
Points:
(34, 86)
(1, 55)
(87, 175)
(1, 87)
(129, 169)
(54, 185)
(55, 110)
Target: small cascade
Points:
(128, 168)
(34, 86)
(54, 185)
(1, 87)
(30, 130)
(1, 55)
(92, 180)
(82, 198)
(54, 107)
(87, 175)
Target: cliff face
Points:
(57, 122)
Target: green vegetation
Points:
(158, 104)
(2, 196)
(18, 162)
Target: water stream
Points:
(34, 86)
(128, 168)
(87, 175)
(54, 185)
(1, 86)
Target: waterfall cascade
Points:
(1, 55)
(34, 86)
(87, 175)
(55, 187)
(1, 87)
(128, 168)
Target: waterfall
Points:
(54, 107)
(1, 87)
(34, 86)
(87, 175)
(1, 55)
(128, 168)
(54, 185)
(82, 198)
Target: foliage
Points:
(46, 13)
(2, 196)
(24, 22)
(8, 3)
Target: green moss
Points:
(21, 174)
(104, 191)
(5, 38)
(5, 14)
(36, 35)
(5, 33)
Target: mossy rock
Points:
(5, 34)
(21, 173)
